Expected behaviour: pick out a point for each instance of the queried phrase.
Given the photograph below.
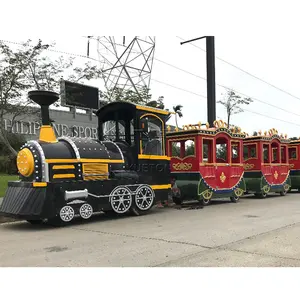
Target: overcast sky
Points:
(261, 50)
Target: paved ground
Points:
(251, 233)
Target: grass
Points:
(4, 179)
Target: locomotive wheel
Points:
(65, 216)
(144, 200)
(235, 199)
(86, 211)
(121, 200)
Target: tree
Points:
(232, 102)
(178, 112)
(30, 68)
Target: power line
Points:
(253, 112)
(53, 50)
(246, 72)
(179, 88)
(223, 86)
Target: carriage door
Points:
(222, 162)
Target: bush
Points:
(8, 165)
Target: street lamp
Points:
(211, 80)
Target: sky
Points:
(260, 49)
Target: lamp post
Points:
(211, 80)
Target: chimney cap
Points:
(43, 97)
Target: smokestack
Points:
(45, 99)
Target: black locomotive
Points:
(125, 170)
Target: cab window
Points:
(152, 141)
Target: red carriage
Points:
(266, 163)
(294, 162)
(206, 163)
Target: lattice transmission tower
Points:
(126, 63)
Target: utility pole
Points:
(211, 77)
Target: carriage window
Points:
(275, 153)
(293, 153)
(266, 153)
(235, 152)
(207, 151)
(283, 155)
(250, 151)
(175, 149)
(152, 141)
(189, 148)
(222, 150)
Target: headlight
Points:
(25, 162)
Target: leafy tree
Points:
(178, 112)
(30, 68)
(232, 102)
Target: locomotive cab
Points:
(140, 133)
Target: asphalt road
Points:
(252, 233)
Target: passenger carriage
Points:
(266, 164)
(294, 163)
(206, 163)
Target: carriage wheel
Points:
(283, 193)
(207, 195)
(86, 211)
(262, 195)
(234, 199)
(121, 200)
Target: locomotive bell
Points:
(45, 99)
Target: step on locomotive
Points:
(125, 170)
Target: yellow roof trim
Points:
(153, 109)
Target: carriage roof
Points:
(268, 136)
(205, 129)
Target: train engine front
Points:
(65, 177)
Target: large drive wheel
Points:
(144, 200)
(121, 200)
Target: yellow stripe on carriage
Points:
(161, 187)
(39, 184)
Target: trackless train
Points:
(61, 178)
(139, 162)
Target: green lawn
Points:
(4, 179)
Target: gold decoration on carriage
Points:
(266, 189)
(275, 175)
(239, 192)
(223, 177)
(248, 166)
(207, 194)
(292, 166)
(182, 166)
